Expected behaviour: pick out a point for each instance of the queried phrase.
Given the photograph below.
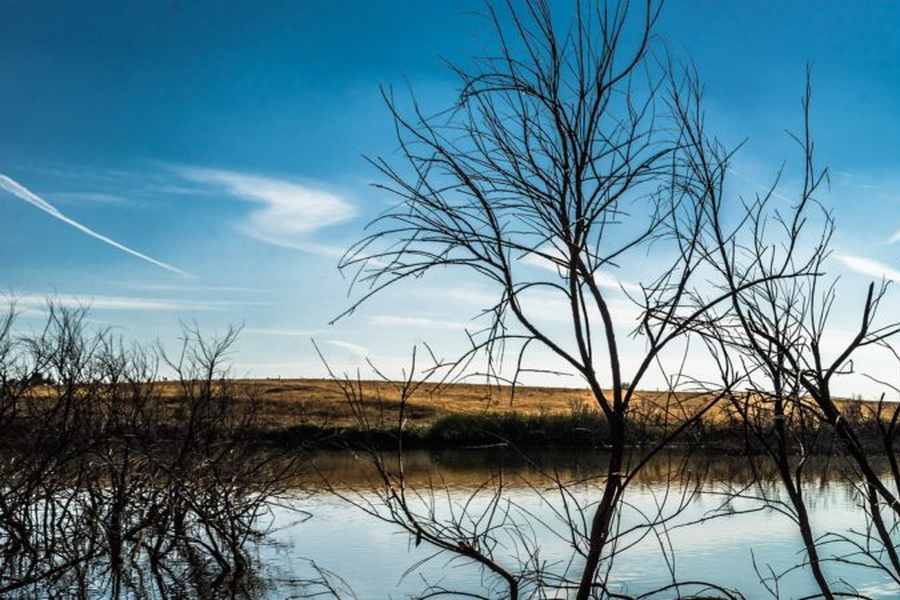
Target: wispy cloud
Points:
(760, 188)
(867, 266)
(168, 287)
(281, 332)
(289, 212)
(414, 322)
(354, 349)
(90, 197)
(535, 260)
(853, 180)
(605, 280)
(894, 238)
(23, 193)
(120, 303)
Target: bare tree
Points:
(775, 331)
(117, 484)
(465, 533)
(574, 150)
(483, 527)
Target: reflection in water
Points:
(466, 468)
(117, 484)
(224, 546)
(735, 543)
(160, 541)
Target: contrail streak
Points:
(20, 191)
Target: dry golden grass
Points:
(284, 403)
(288, 402)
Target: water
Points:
(373, 557)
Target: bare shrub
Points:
(115, 486)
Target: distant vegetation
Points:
(119, 480)
(113, 489)
(571, 152)
(314, 412)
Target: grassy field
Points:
(471, 414)
(315, 412)
(289, 402)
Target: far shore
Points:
(314, 413)
(297, 412)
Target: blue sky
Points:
(226, 141)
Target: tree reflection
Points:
(118, 484)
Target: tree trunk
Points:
(603, 516)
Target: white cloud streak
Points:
(90, 197)
(281, 332)
(869, 267)
(23, 193)
(414, 322)
(763, 189)
(354, 349)
(166, 287)
(290, 212)
(605, 280)
(118, 303)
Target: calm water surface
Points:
(374, 557)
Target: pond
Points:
(738, 544)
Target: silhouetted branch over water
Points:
(571, 151)
(576, 180)
(102, 495)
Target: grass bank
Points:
(313, 412)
